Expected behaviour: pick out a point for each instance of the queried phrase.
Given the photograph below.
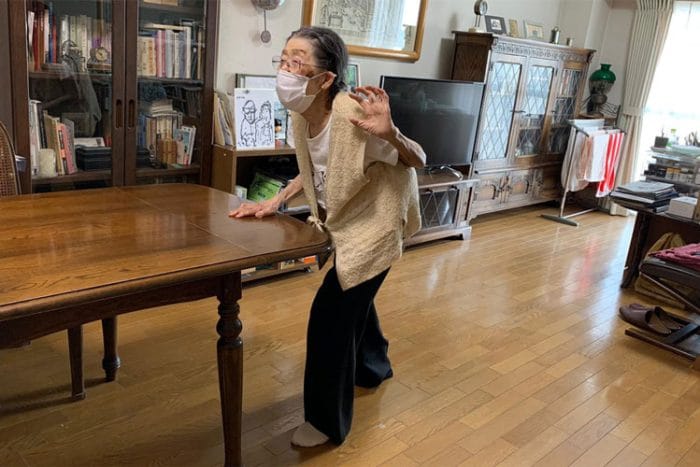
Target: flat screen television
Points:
(440, 115)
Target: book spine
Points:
(60, 135)
(67, 149)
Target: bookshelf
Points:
(234, 167)
(128, 82)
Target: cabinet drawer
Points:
(488, 194)
(518, 186)
(547, 185)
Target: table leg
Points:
(635, 254)
(111, 361)
(230, 360)
(75, 351)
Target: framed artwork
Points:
(352, 76)
(244, 80)
(389, 29)
(534, 30)
(495, 24)
(513, 29)
(250, 81)
(254, 118)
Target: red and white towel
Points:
(612, 157)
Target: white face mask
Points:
(291, 90)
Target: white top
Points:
(376, 150)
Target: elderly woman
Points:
(357, 172)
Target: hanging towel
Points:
(594, 170)
(611, 161)
(577, 141)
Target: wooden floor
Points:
(507, 350)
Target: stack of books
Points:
(654, 196)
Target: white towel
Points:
(594, 170)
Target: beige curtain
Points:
(651, 23)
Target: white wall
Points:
(615, 47)
(573, 20)
(595, 33)
(241, 51)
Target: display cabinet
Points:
(113, 92)
(532, 89)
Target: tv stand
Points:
(444, 168)
(445, 197)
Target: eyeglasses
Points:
(292, 64)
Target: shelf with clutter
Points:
(678, 165)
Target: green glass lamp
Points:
(599, 84)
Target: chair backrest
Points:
(9, 181)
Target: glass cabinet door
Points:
(71, 93)
(498, 108)
(564, 109)
(164, 141)
(531, 122)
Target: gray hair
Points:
(330, 53)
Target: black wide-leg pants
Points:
(344, 347)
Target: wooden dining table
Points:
(72, 257)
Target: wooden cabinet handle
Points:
(131, 121)
(118, 114)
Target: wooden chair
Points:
(9, 186)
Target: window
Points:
(674, 99)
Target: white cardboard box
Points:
(683, 206)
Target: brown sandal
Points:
(667, 320)
(644, 318)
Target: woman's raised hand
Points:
(375, 104)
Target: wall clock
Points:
(266, 5)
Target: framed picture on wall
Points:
(389, 29)
(352, 76)
(534, 30)
(244, 80)
(513, 28)
(495, 24)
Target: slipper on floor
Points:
(644, 318)
(667, 320)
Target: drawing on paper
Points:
(255, 124)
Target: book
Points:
(264, 187)
(184, 137)
(648, 189)
(642, 199)
(97, 142)
(69, 143)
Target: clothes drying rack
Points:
(578, 125)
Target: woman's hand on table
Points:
(259, 210)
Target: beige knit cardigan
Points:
(368, 212)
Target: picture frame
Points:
(352, 76)
(534, 31)
(513, 28)
(398, 35)
(495, 24)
